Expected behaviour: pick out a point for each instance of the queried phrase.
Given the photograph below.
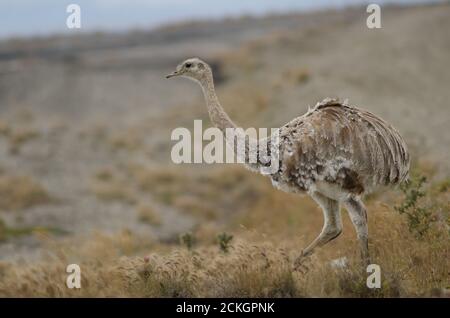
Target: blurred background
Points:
(86, 116)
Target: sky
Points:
(23, 18)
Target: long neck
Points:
(217, 114)
(222, 121)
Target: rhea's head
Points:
(192, 68)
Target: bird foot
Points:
(301, 263)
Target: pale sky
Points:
(43, 17)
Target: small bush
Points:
(224, 240)
(419, 217)
(188, 240)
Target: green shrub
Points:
(224, 240)
(418, 215)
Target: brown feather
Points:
(342, 145)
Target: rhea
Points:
(335, 152)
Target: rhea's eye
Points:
(188, 65)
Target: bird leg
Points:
(332, 226)
(358, 215)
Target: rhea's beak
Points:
(176, 73)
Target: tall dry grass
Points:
(267, 235)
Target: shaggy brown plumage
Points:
(341, 144)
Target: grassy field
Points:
(252, 255)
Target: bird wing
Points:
(342, 144)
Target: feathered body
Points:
(338, 144)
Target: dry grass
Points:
(17, 136)
(148, 215)
(112, 191)
(107, 186)
(198, 192)
(257, 262)
(297, 76)
(19, 192)
(251, 268)
(18, 129)
(128, 141)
